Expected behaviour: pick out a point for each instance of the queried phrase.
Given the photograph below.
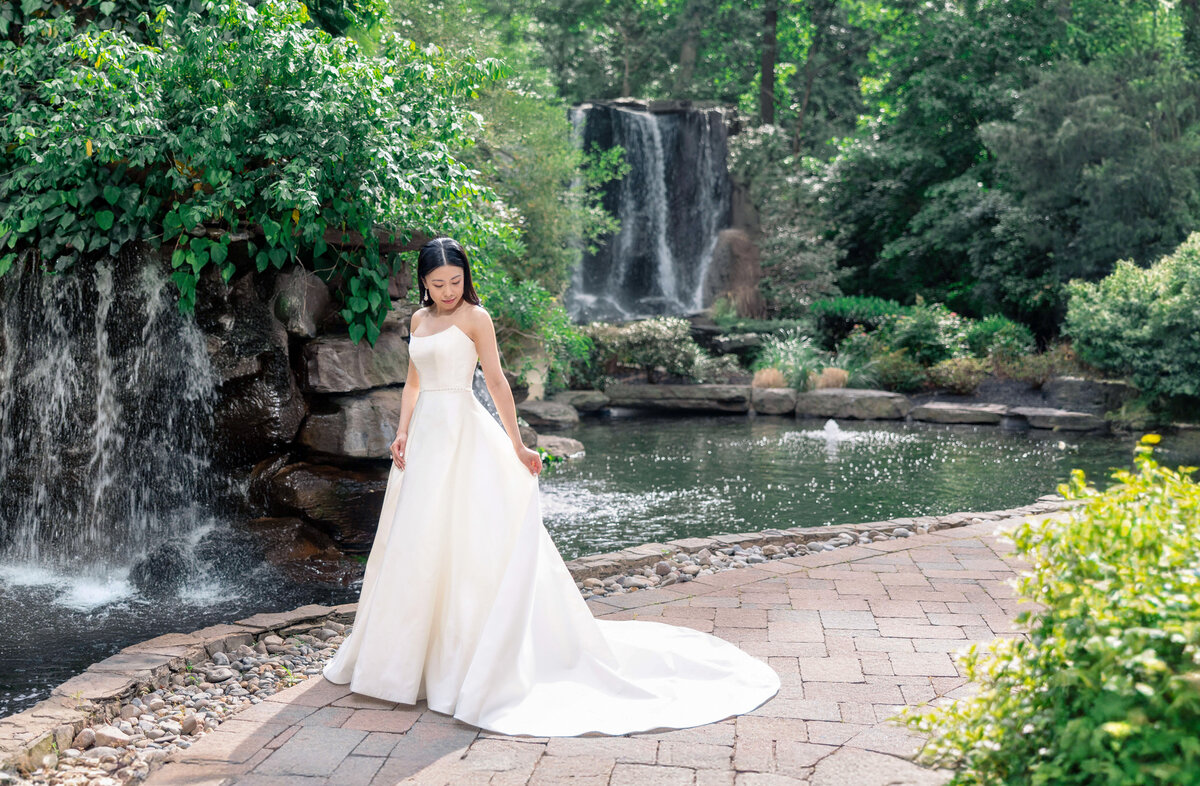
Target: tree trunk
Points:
(766, 90)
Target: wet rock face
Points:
(301, 302)
(301, 550)
(335, 364)
(1093, 396)
(355, 426)
(259, 407)
(345, 503)
(162, 572)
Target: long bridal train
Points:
(467, 603)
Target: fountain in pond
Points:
(671, 205)
(106, 398)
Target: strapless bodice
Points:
(445, 360)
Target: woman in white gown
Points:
(467, 603)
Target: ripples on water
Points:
(647, 479)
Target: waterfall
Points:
(106, 398)
(671, 205)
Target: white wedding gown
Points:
(466, 601)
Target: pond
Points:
(655, 479)
(643, 479)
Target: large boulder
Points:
(301, 551)
(343, 502)
(259, 407)
(945, 412)
(1059, 419)
(734, 272)
(702, 398)
(1094, 396)
(559, 446)
(301, 302)
(335, 364)
(773, 401)
(852, 403)
(548, 414)
(582, 400)
(361, 426)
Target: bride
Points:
(466, 602)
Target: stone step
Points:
(1060, 419)
(946, 412)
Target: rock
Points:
(110, 737)
(702, 398)
(662, 567)
(548, 414)
(335, 364)
(1059, 419)
(582, 400)
(592, 583)
(773, 401)
(86, 738)
(129, 712)
(943, 412)
(361, 426)
(529, 437)
(101, 752)
(219, 674)
(734, 271)
(346, 502)
(638, 582)
(690, 570)
(163, 571)
(258, 409)
(1093, 396)
(301, 550)
(852, 403)
(560, 447)
(901, 532)
(771, 550)
(301, 302)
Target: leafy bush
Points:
(1035, 369)
(856, 356)
(896, 371)
(999, 335)
(961, 376)
(794, 355)
(1144, 323)
(930, 333)
(661, 345)
(836, 317)
(1106, 690)
(238, 124)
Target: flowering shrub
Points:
(661, 345)
(997, 335)
(961, 376)
(930, 333)
(1106, 690)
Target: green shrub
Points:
(999, 335)
(836, 317)
(1106, 690)
(794, 355)
(856, 357)
(1035, 369)
(1143, 323)
(930, 333)
(961, 376)
(896, 371)
(661, 345)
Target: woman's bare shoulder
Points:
(417, 318)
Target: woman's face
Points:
(445, 285)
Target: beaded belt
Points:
(435, 390)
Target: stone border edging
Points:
(98, 694)
(616, 563)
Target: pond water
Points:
(643, 479)
(655, 479)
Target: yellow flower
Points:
(1151, 439)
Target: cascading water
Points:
(671, 205)
(106, 397)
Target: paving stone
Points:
(928, 664)
(356, 770)
(396, 721)
(235, 741)
(635, 750)
(698, 755)
(312, 751)
(377, 743)
(651, 775)
(866, 768)
(830, 669)
(316, 692)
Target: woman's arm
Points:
(408, 400)
(483, 333)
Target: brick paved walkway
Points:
(854, 634)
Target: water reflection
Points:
(656, 478)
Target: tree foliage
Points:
(236, 122)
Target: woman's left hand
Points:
(530, 458)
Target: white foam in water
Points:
(81, 593)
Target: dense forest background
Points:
(978, 154)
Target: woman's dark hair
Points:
(443, 251)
